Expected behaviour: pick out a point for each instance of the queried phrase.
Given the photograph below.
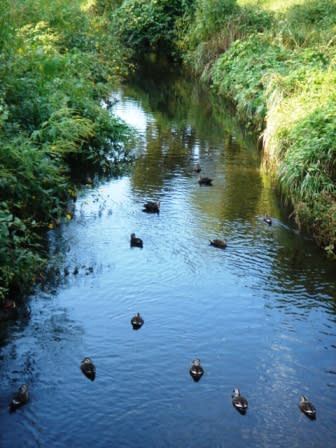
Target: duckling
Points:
(203, 180)
(20, 398)
(307, 407)
(221, 244)
(136, 242)
(196, 370)
(268, 220)
(152, 207)
(137, 322)
(88, 368)
(239, 402)
(197, 168)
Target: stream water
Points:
(260, 315)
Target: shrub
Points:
(57, 63)
(149, 25)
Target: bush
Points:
(57, 63)
(149, 25)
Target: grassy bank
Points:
(58, 60)
(275, 60)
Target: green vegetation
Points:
(59, 59)
(57, 62)
(283, 85)
(149, 25)
(276, 61)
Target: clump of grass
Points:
(242, 74)
(211, 32)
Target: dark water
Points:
(260, 314)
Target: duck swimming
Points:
(196, 370)
(88, 368)
(268, 220)
(197, 168)
(137, 322)
(151, 207)
(307, 407)
(135, 242)
(204, 180)
(221, 244)
(20, 398)
(239, 402)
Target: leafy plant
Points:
(57, 62)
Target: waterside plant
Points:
(276, 62)
(58, 62)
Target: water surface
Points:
(260, 314)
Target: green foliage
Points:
(106, 6)
(307, 172)
(276, 61)
(31, 181)
(310, 23)
(309, 166)
(210, 17)
(60, 63)
(149, 24)
(19, 259)
(242, 74)
(207, 38)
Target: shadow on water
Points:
(260, 314)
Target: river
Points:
(260, 314)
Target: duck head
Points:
(307, 407)
(137, 321)
(196, 370)
(20, 398)
(239, 402)
(88, 368)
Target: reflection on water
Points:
(260, 314)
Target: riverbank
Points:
(57, 63)
(276, 61)
(59, 60)
(277, 64)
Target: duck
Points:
(197, 168)
(307, 407)
(221, 244)
(135, 241)
(238, 401)
(196, 370)
(88, 368)
(268, 220)
(152, 207)
(20, 398)
(204, 180)
(137, 321)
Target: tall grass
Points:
(276, 61)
